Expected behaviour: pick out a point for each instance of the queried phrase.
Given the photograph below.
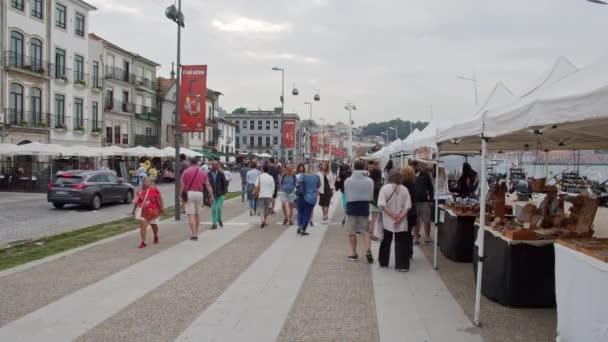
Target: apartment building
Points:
(226, 139)
(47, 89)
(130, 113)
(259, 132)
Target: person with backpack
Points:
(287, 194)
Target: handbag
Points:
(185, 192)
(379, 226)
(256, 190)
(139, 210)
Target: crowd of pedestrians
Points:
(393, 207)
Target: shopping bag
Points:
(379, 228)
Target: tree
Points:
(305, 123)
(403, 127)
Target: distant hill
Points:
(403, 127)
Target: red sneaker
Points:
(142, 245)
(155, 240)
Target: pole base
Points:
(435, 268)
(478, 324)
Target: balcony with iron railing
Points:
(146, 113)
(146, 140)
(30, 65)
(143, 83)
(113, 105)
(96, 83)
(80, 78)
(26, 119)
(61, 73)
(117, 74)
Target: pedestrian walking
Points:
(408, 178)
(147, 208)
(141, 173)
(227, 175)
(153, 173)
(274, 170)
(395, 201)
(287, 194)
(359, 191)
(423, 196)
(343, 174)
(307, 190)
(326, 188)
(376, 176)
(192, 183)
(252, 179)
(218, 182)
(265, 188)
(243, 171)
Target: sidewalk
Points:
(237, 283)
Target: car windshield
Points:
(68, 180)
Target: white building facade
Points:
(46, 84)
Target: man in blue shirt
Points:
(244, 169)
(359, 191)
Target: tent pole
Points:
(436, 206)
(481, 231)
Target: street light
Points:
(282, 108)
(309, 130)
(474, 80)
(350, 107)
(396, 132)
(176, 15)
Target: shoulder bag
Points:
(138, 210)
(256, 190)
(185, 192)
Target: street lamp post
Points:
(474, 80)
(309, 130)
(282, 109)
(350, 107)
(322, 138)
(176, 15)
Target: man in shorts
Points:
(193, 181)
(359, 191)
(423, 197)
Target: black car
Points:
(91, 188)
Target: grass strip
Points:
(44, 247)
(231, 195)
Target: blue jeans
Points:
(250, 198)
(243, 191)
(304, 213)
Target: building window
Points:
(275, 140)
(149, 131)
(59, 111)
(95, 74)
(79, 26)
(60, 15)
(36, 54)
(259, 141)
(16, 103)
(245, 140)
(276, 124)
(17, 4)
(244, 124)
(59, 63)
(37, 9)
(251, 142)
(117, 134)
(108, 135)
(16, 53)
(259, 125)
(267, 125)
(95, 116)
(238, 127)
(251, 125)
(125, 134)
(267, 141)
(78, 117)
(78, 68)
(36, 105)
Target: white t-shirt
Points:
(267, 185)
(227, 175)
(205, 168)
(399, 201)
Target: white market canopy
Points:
(39, 149)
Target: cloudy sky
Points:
(392, 58)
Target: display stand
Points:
(456, 235)
(517, 273)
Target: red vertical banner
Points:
(314, 140)
(289, 134)
(192, 106)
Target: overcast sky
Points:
(392, 58)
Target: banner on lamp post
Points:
(314, 140)
(289, 134)
(192, 106)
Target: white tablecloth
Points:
(581, 284)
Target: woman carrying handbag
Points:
(395, 202)
(147, 208)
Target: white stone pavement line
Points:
(255, 306)
(91, 245)
(75, 314)
(417, 306)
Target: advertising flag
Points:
(289, 134)
(192, 107)
(314, 141)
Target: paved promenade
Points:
(237, 283)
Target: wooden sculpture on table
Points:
(582, 214)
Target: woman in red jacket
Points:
(150, 202)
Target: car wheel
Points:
(58, 205)
(96, 202)
(128, 197)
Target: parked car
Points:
(91, 188)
